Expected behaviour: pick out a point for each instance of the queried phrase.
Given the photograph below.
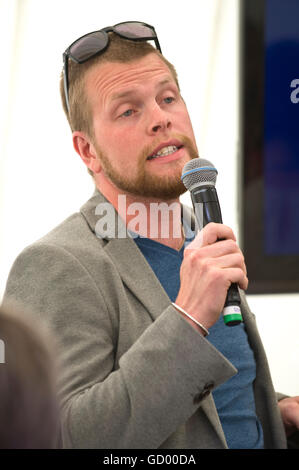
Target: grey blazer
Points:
(134, 373)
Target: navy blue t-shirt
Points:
(234, 399)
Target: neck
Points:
(149, 217)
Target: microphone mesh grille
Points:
(197, 171)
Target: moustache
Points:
(184, 141)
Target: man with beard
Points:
(138, 317)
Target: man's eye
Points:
(127, 113)
(169, 99)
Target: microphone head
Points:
(199, 172)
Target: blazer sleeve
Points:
(161, 378)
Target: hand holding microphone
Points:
(213, 264)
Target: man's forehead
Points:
(129, 92)
(114, 77)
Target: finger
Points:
(235, 260)
(211, 233)
(236, 275)
(220, 248)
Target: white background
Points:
(42, 180)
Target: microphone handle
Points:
(207, 209)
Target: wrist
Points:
(195, 323)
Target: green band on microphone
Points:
(232, 315)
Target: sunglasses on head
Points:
(96, 42)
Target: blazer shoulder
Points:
(73, 236)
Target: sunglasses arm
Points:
(65, 80)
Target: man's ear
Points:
(85, 148)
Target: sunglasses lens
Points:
(135, 30)
(88, 46)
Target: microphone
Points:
(199, 177)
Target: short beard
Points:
(145, 184)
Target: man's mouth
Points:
(165, 151)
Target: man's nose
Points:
(159, 121)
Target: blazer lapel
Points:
(133, 268)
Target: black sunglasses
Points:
(96, 42)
